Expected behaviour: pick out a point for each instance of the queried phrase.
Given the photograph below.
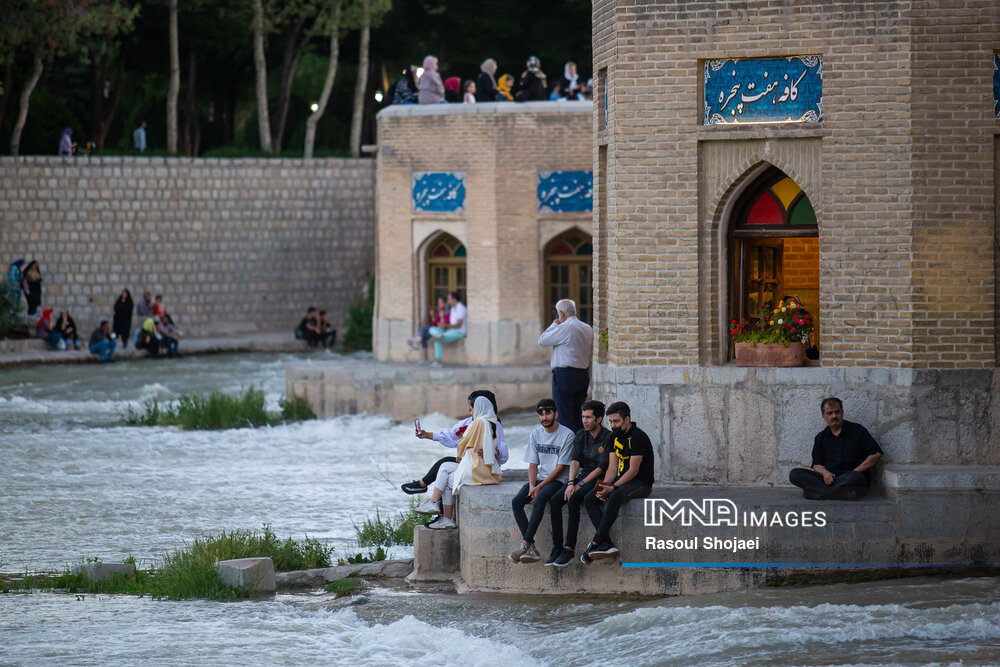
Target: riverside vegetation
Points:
(190, 572)
(218, 411)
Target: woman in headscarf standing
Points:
(533, 81)
(66, 144)
(405, 89)
(477, 462)
(430, 84)
(486, 84)
(569, 84)
(504, 84)
(453, 90)
(33, 286)
(122, 324)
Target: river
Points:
(75, 484)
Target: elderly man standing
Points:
(572, 343)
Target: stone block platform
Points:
(256, 574)
(349, 386)
(918, 523)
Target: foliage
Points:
(603, 338)
(359, 320)
(388, 531)
(8, 309)
(296, 408)
(217, 411)
(789, 323)
(346, 586)
(190, 572)
(371, 557)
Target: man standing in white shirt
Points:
(572, 343)
(456, 328)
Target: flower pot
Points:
(770, 354)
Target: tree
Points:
(175, 80)
(331, 74)
(46, 29)
(367, 16)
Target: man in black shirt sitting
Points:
(629, 475)
(591, 446)
(842, 454)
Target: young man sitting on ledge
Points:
(842, 455)
(629, 475)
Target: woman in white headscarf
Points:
(430, 85)
(477, 462)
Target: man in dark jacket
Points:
(842, 455)
(102, 342)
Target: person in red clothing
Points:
(159, 308)
(436, 317)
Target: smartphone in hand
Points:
(416, 426)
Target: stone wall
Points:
(500, 148)
(233, 245)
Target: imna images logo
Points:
(723, 512)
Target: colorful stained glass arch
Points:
(782, 203)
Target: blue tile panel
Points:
(996, 85)
(764, 90)
(439, 191)
(565, 191)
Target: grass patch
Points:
(358, 334)
(296, 408)
(190, 572)
(217, 411)
(346, 586)
(371, 557)
(390, 530)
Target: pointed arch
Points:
(444, 257)
(568, 269)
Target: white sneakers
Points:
(442, 524)
(429, 508)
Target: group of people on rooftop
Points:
(424, 85)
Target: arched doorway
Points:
(568, 265)
(774, 249)
(446, 271)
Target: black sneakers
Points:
(603, 550)
(585, 556)
(413, 487)
(556, 552)
(565, 557)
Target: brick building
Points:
(492, 201)
(846, 153)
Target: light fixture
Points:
(420, 72)
(378, 96)
(314, 107)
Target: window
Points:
(568, 265)
(774, 240)
(445, 269)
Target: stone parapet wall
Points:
(750, 426)
(234, 245)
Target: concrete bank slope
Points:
(350, 386)
(37, 351)
(928, 516)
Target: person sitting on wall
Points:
(629, 475)
(437, 317)
(454, 329)
(144, 309)
(308, 329)
(842, 455)
(591, 446)
(449, 437)
(327, 334)
(168, 335)
(64, 332)
(549, 452)
(477, 463)
(102, 342)
(147, 339)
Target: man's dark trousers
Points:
(846, 486)
(542, 498)
(573, 524)
(604, 514)
(569, 391)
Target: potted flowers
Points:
(778, 338)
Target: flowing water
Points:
(74, 484)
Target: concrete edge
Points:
(318, 577)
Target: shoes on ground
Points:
(604, 550)
(516, 554)
(565, 557)
(413, 487)
(531, 555)
(554, 555)
(442, 523)
(414, 343)
(436, 364)
(428, 508)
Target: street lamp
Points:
(378, 96)
(314, 107)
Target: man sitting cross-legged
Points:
(549, 451)
(629, 475)
(591, 446)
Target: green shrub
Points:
(358, 334)
(296, 408)
(371, 557)
(389, 531)
(346, 586)
(9, 310)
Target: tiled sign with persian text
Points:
(565, 191)
(764, 90)
(439, 191)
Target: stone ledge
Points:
(914, 477)
(256, 574)
(317, 578)
(403, 110)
